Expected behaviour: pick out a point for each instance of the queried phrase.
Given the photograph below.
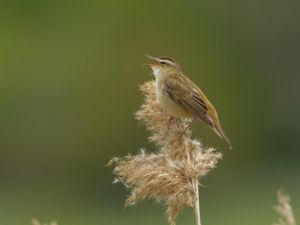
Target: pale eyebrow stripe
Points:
(166, 61)
(167, 58)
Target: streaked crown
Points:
(165, 61)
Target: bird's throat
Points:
(157, 72)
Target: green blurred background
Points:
(69, 76)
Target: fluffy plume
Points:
(284, 210)
(36, 222)
(171, 174)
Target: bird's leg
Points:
(176, 121)
(171, 119)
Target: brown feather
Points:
(186, 94)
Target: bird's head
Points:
(163, 65)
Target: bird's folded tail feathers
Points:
(219, 131)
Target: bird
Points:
(181, 97)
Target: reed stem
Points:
(197, 203)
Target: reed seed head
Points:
(166, 175)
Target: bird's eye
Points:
(163, 63)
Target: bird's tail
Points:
(220, 132)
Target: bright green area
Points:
(69, 76)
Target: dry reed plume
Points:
(36, 222)
(171, 174)
(284, 210)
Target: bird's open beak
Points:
(148, 64)
(151, 64)
(150, 57)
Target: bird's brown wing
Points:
(186, 94)
(190, 97)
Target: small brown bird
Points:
(181, 97)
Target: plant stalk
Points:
(197, 203)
